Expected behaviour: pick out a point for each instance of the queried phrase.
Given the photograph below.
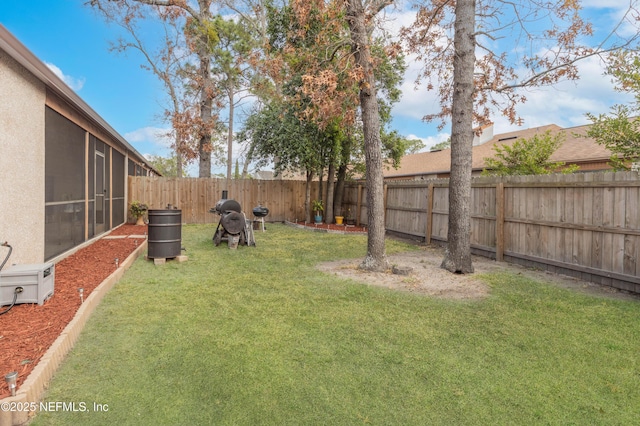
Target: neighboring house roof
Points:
(14, 48)
(574, 150)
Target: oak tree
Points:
(278, 136)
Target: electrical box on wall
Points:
(37, 282)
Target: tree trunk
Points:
(339, 193)
(307, 197)
(342, 176)
(178, 142)
(247, 161)
(178, 153)
(328, 210)
(206, 109)
(230, 136)
(207, 94)
(376, 259)
(320, 182)
(458, 254)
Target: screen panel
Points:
(64, 184)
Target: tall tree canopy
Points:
(200, 35)
(232, 68)
(356, 68)
(165, 56)
(322, 75)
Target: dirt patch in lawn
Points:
(427, 278)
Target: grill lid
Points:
(224, 206)
(260, 211)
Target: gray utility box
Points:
(36, 281)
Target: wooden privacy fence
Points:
(584, 225)
(195, 196)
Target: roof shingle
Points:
(575, 149)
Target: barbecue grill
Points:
(260, 212)
(233, 226)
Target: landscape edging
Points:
(328, 231)
(32, 389)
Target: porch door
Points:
(100, 192)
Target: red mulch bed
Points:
(333, 227)
(28, 330)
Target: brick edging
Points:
(329, 231)
(32, 389)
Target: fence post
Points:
(384, 202)
(429, 230)
(500, 222)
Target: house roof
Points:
(14, 48)
(575, 149)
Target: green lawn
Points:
(257, 336)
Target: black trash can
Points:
(165, 234)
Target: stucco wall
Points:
(22, 100)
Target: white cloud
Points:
(155, 135)
(416, 101)
(567, 103)
(74, 83)
(609, 4)
(613, 20)
(394, 20)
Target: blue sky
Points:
(70, 37)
